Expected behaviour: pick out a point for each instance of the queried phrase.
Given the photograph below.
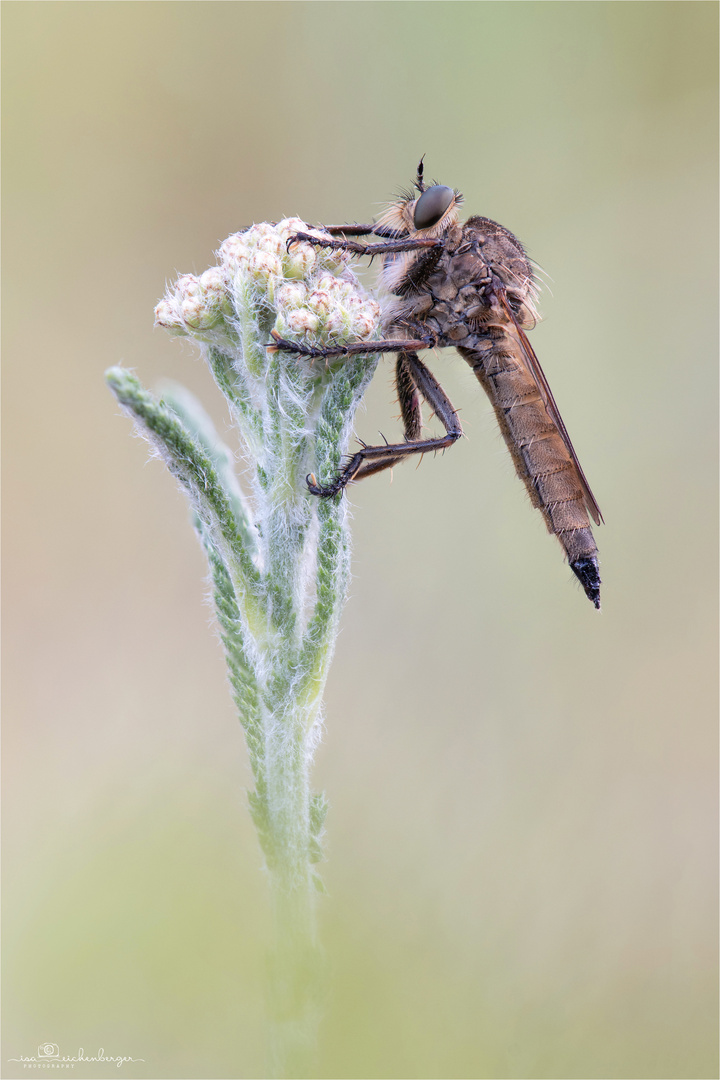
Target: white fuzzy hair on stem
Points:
(278, 558)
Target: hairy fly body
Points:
(470, 286)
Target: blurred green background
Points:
(522, 836)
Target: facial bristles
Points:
(398, 215)
(394, 217)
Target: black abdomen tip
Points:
(587, 571)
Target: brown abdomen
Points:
(541, 458)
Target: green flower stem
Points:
(279, 561)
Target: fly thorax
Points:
(458, 292)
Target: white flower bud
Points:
(188, 285)
(194, 312)
(320, 301)
(168, 316)
(302, 321)
(292, 295)
(263, 265)
(334, 259)
(337, 322)
(289, 226)
(234, 252)
(300, 260)
(257, 233)
(362, 324)
(272, 244)
(214, 286)
(213, 280)
(332, 284)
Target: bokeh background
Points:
(522, 837)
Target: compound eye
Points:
(431, 206)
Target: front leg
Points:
(408, 244)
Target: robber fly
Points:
(471, 286)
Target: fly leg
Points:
(348, 230)
(420, 271)
(365, 249)
(353, 349)
(414, 381)
(361, 230)
(410, 412)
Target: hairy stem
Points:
(279, 561)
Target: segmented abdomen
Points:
(541, 458)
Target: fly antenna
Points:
(419, 183)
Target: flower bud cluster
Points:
(312, 291)
(195, 304)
